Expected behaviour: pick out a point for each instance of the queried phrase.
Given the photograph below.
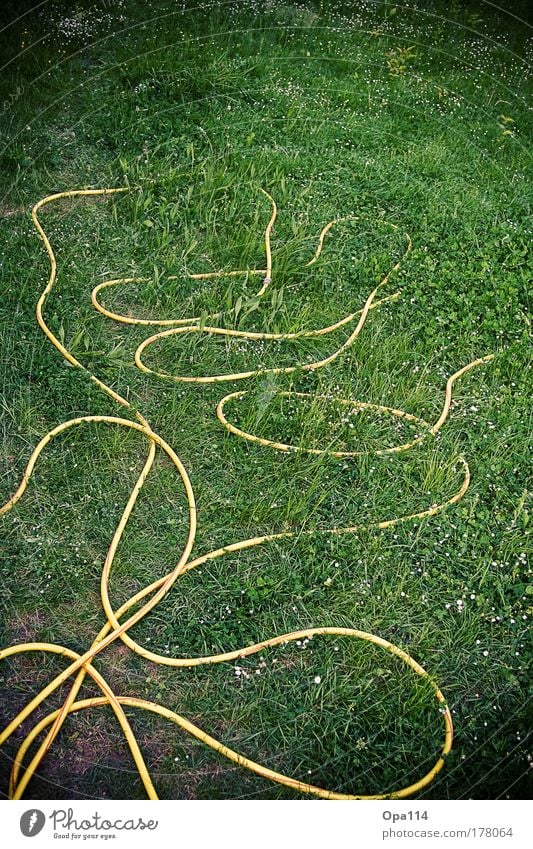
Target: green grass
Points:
(412, 114)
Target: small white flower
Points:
(317, 679)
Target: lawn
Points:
(413, 115)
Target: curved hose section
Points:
(267, 272)
(119, 622)
(253, 336)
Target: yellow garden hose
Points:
(117, 624)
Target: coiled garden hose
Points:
(119, 622)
